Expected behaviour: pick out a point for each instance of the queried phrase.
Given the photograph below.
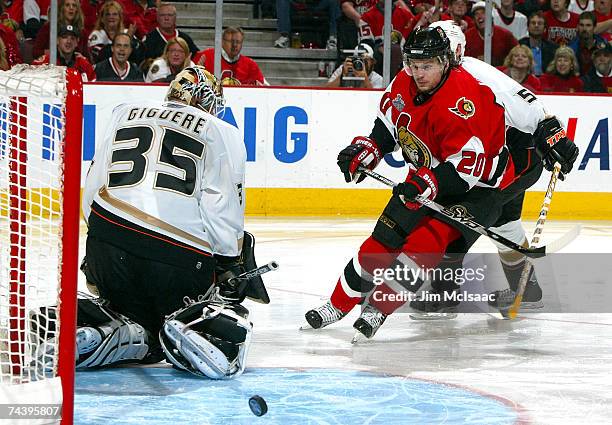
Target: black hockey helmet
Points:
(426, 43)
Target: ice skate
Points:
(320, 317)
(369, 322)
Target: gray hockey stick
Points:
(466, 220)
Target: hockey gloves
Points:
(226, 269)
(553, 145)
(362, 151)
(420, 185)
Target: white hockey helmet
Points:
(195, 86)
(455, 36)
(208, 339)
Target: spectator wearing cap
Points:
(586, 42)
(501, 43)
(599, 78)
(561, 22)
(67, 41)
(156, 40)
(118, 67)
(235, 67)
(543, 50)
(506, 17)
(357, 70)
(562, 73)
(70, 13)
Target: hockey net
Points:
(40, 159)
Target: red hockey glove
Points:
(362, 151)
(553, 145)
(420, 185)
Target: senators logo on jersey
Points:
(464, 108)
(413, 148)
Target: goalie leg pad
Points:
(114, 341)
(208, 339)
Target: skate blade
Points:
(358, 337)
(432, 316)
(306, 327)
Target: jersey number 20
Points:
(178, 151)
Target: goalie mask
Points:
(197, 87)
(208, 339)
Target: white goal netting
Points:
(32, 154)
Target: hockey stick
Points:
(242, 278)
(466, 220)
(518, 298)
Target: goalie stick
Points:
(243, 278)
(518, 298)
(466, 221)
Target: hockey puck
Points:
(258, 405)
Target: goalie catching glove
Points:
(363, 152)
(553, 145)
(420, 185)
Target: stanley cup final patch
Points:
(398, 103)
(464, 108)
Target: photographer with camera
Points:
(357, 70)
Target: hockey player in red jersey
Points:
(451, 131)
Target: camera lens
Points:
(358, 64)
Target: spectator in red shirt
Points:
(502, 40)
(457, 10)
(562, 73)
(561, 22)
(13, 55)
(142, 14)
(402, 20)
(603, 13)
(235, 68)
(519, 66)
(70, 13)
(67, 41)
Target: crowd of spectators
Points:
(115, 40)
(546, 45)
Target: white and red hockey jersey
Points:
(461, 124)
(174, 170)
(522, 109)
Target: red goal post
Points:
(40, 174)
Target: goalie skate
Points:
(320, 317)
(532, 300)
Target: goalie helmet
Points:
(208, 339)
(455, 37)
(195, 86)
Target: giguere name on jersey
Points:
(186, 120)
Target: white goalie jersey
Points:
(175, 170)
(523, 110)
